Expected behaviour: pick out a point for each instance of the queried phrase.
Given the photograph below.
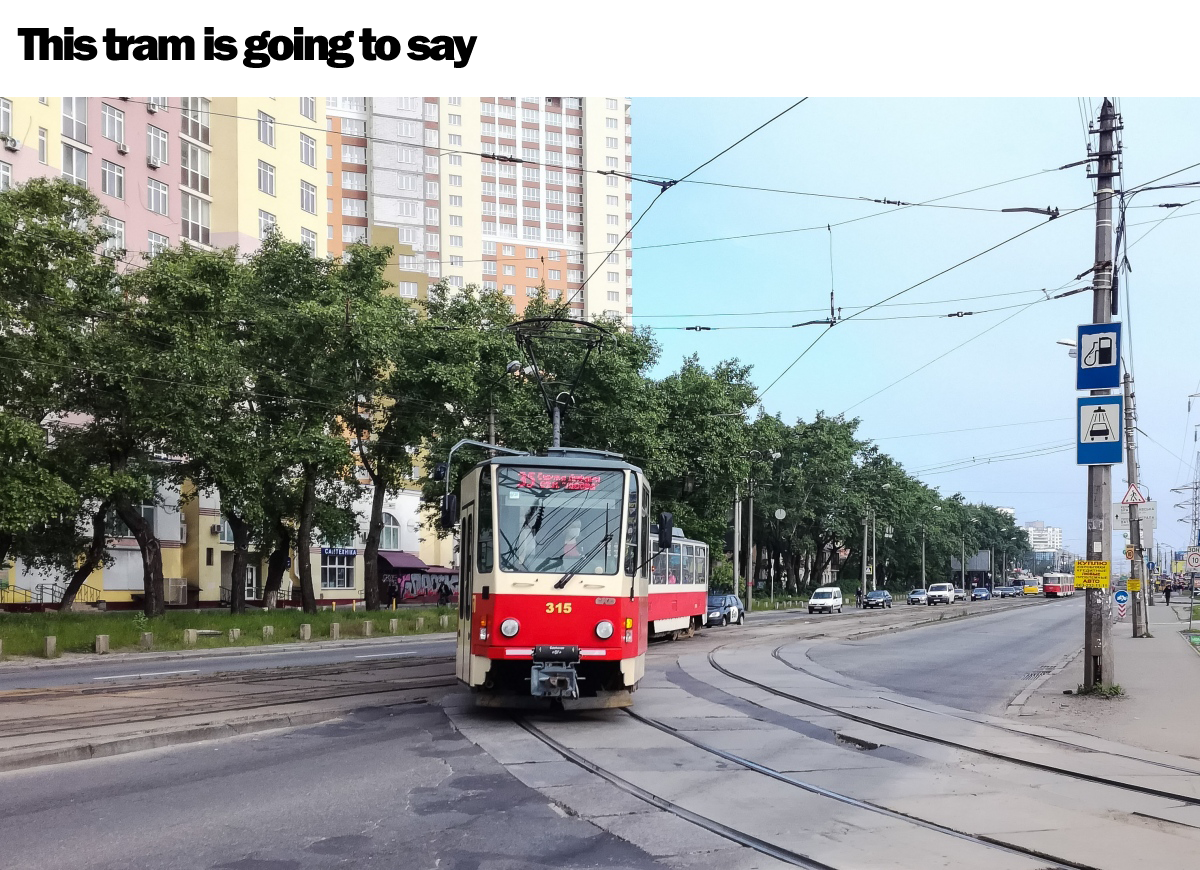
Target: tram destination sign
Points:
(1093, 574)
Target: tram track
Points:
(961, 746)
(436, 673)
(758, 844)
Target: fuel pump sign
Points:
(1098, 356)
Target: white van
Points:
(827, 598)
(940, 593)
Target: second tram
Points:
(1056, 585)
(555, 554)
(678, 588)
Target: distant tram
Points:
(1058, 585)
(678, 587)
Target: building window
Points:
(354, 207)
(614, 295)
(611, 181)
(157, 195)
(309, 239)
(456, 220)
(454, 120)
(112, 124)
(489, 267)
(407, 289)
(510, 290)
(432, 215)
(456, 181)
(431, 164)
(156, 145)
(614, 258)
(354, 235)
(308, 108)
(613, 238)
(337, 572)
(455, 280)
(610, 103)
(156, 243)
(354, 154)
(157, 104)
(193, 170)
(575, 275)
(266, 129)
(509, 269)
(456, 241)
(456, 201)
(531, 291)
(329, 231)
(74, 118)
(74, 161)
(43, 146)
(554, 274)
(195, 218)
(431, 190)
(266, 177)
(308, 197)
(112, 179)
(612, 220)
(354, 180)
(266, 223)
(453, 139)
(308, 150)
(115, 243)
(194, 112)
(5, 175)
(531, 272)
(354, 127)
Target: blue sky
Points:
(915, 150)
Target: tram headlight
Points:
(510, 627)
(604, 629)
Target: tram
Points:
(678, 587)
(555, 555)
(1056, 585)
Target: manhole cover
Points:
(1040, 672)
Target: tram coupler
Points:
(553, 674)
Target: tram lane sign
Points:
(1098, 356)
(1099, 424)
(1093, 574)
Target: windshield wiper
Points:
(566, 578)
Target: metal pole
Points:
(866, 522)
(963, 563)
(737, 533)
(874, 564)
(1098, 663)
(922, 557)
(1137, 576)
(556, 419)
(750, 552)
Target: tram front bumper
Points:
(553, 674)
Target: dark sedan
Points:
(878, 598)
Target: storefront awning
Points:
(403, 563)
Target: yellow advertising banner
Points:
(1093, 574)
(1133, 584)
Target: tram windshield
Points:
(557, 520)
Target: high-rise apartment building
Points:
(1043, 538)
(512, 194)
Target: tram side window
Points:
(659, 571)
(675, 565)
(484, 513)
(644, 522)
(689, 563)
(631, 526)
(702, 565)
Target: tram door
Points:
(466, 583)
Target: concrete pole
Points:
(1141, 619)
(922, 557)
(863, 586)
(1099, 666)
(963, 564)
(874, 564)
(750, 552)
(556, 421)
(737, 533)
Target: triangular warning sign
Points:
(1134, 495)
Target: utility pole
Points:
(1098, 661)
(874, 564)
(737, 533)
(922, 557)
(1141, 621)
(750, 552)
(866, 522)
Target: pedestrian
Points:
(858, 596)
(1167, 594)
(443, 594)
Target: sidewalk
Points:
(1160, 680)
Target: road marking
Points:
(386, 655)
(155, 674)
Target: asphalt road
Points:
(975, 664)
(134, 667)
(389, 787)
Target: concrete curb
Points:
(282, 648)
(1018, 703)
(962, 614)
(83, 751)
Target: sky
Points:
(898, 372)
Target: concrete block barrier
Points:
(268, 632)
(101, 645)
(189, 637)
(420, 623)
(234, 634)
(305, 631)
(49, 646)
(393, 626)
(335, 630)
(368, 628)
(146, 641)
(445, 621)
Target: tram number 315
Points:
(558, 607)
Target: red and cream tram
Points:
(678, 588)
(1058, 585)
(555, 570)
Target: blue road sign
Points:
(1099, 423)
(1150, 566)
(1121, 596)
(1098, 356)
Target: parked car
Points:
(827, 598)
(980, 593)
(724, 609)
(918, 596)
(960, 594)
(940, 593)
(878, 598)
(1005, 592)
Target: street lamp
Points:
(936, 508)
(750, 560)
